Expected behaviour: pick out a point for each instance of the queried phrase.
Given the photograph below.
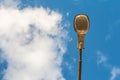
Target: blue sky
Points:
(101, 53)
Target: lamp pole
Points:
(80, 65)
(81, 26)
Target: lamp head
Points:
(81, 26)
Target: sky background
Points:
(101, 54)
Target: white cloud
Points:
(10, 3)
(67, 13)
(115, 73)
(70, 66)
(111, 32)
(33, 43)
(101, 58)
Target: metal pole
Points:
(80, 65)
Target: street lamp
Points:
(81, 26)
